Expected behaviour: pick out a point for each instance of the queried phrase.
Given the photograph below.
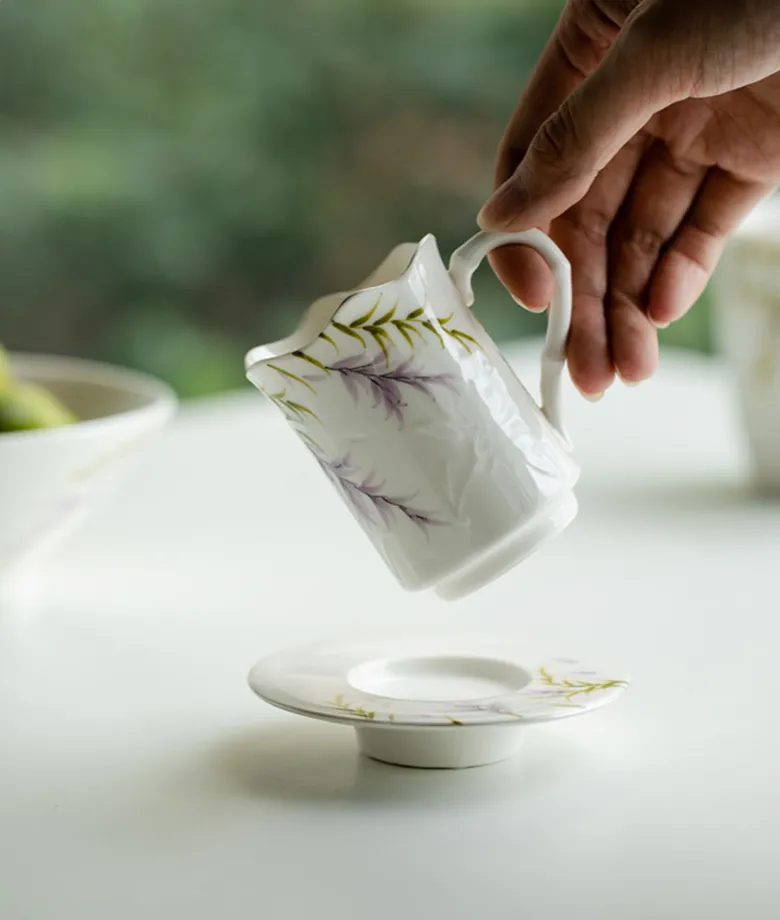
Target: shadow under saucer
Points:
(315, 762)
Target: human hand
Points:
(648, 131)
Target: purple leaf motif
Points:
(365, 495)
(385, 383)
(493, 708)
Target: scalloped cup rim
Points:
(319, 314)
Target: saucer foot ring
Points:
(439, 748)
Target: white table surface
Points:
(141, 779)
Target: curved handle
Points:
(464, 262)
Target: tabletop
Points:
(140, 778)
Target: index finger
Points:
(583, 35)
(581, 38)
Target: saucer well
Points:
(433, 700)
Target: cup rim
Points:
(318, 315)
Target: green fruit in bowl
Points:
(26, 406)
(5, 369)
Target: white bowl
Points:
(50, 477)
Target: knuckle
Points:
(645, 241)
(591, 222)
(584, 39)
(700, 246)
(707, 227)
(557, 140)
(510, 156)
(588, 28)
(615, 11)
(646, 23)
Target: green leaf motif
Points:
(400, 327)
(379, 335)
(416, 323)
(572, 688)
(291, 376)
(304, 357)
(342, 705)
(362, 320)
(293, 411)
(346, 330)
(431, 328)
(330, 341)
(300, 409)
(387, 316)
(404, 326)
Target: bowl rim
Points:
(159, 398)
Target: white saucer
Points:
(433, 700)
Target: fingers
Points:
(684, 270)
(583, 233)
(584, 134)
(662, 192)
(582, 37)
(525, 274)
(579, 41)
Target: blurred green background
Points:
(179, 180)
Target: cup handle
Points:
(464, 262)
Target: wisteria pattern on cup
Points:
(364, 494)
(384, 383)
(381, 329)
(448, 463)
(367, 497)
(293, 411)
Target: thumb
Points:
(603, 113)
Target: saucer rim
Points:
(390, 713)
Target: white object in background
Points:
(415, 417)
(747, 309)
(433, 701)
(50, 477)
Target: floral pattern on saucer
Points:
(558, 692)
(315, 682)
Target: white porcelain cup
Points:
(747, 322)
(414, 416)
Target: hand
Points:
(648, 131)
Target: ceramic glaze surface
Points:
(433, 681)
(410, 411)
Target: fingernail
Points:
(592, 397)
(658, 324)
(525, 305)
